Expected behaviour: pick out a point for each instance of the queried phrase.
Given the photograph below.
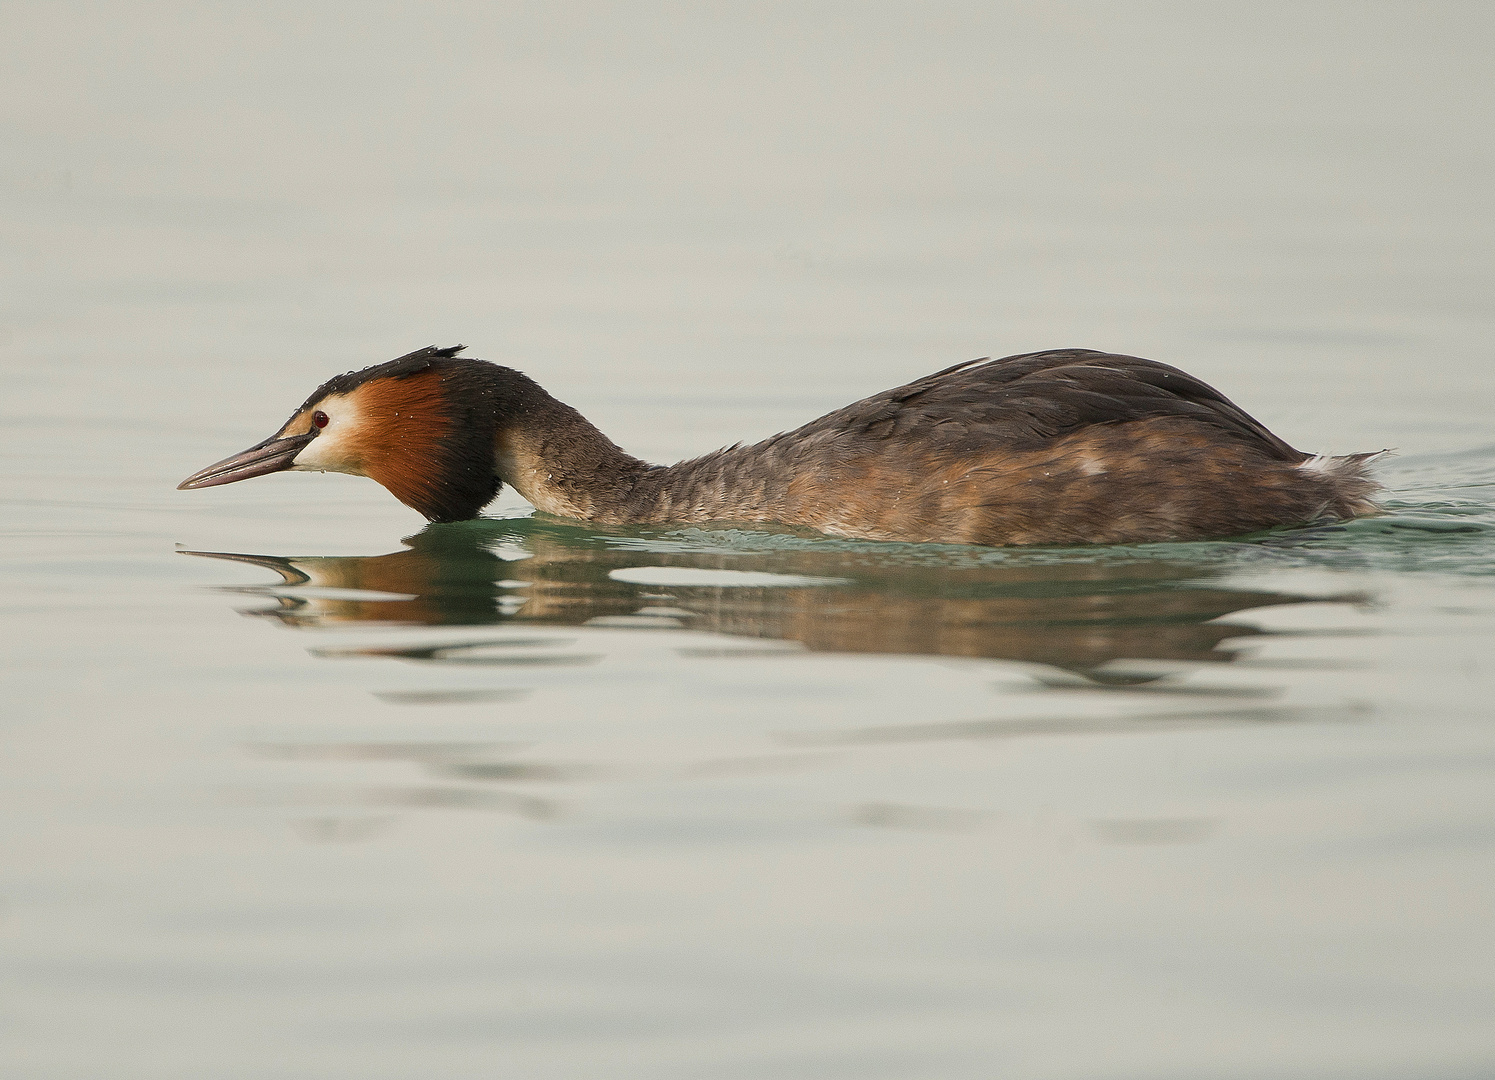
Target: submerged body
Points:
(1062, 447)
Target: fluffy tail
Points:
(1352, 490)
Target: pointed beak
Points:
(270, 456)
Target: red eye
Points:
(319, 419)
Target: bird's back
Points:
(1060, 447)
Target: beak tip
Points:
(201, 478)
(272, 455)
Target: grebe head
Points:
(422, 425)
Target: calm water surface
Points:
(294, 787)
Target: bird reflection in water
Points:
(1075, 614)
(1114, 620)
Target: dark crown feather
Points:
(401, 367)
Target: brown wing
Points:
(1060, 447)
(1023, 402)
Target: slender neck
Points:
(561, 462)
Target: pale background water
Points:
(524, 799)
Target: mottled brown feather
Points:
(1060, 447)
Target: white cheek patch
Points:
(332, 450)
(319, 455)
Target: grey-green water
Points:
(522, 798)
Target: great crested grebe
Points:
(1064, 447)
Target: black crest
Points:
(401, 367)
